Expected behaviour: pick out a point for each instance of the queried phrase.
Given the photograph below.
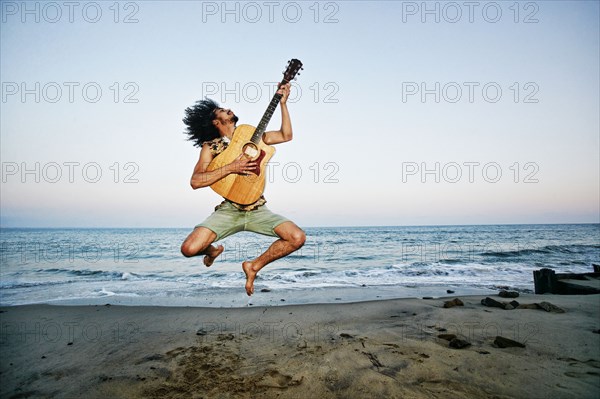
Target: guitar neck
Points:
(262, 125)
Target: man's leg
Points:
(291, 238)
(199, 242)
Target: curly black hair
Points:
(198, 119)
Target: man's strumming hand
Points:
(242, 165)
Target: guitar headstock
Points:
(293, 68)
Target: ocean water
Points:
(144, 266)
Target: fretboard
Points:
(262, 125)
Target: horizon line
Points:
(331, 226)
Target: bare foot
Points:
(250, 276)
(210, 258)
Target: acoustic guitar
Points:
(247, 140)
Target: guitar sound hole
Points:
(250, 150)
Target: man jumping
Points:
(211, 128)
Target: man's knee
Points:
(298, 238)
(197, 242)
(187, 250)
(191, 248)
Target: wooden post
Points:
(596, 268)
(544, 281)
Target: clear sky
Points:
(406, 113)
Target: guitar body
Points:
(242, 189)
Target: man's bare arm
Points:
(202, 178)
(285, 133)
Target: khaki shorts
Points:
(227, 220)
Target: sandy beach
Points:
(401, 348)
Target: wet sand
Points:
(378, 349)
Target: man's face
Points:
(225, 116)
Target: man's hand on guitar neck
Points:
(284, 90)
